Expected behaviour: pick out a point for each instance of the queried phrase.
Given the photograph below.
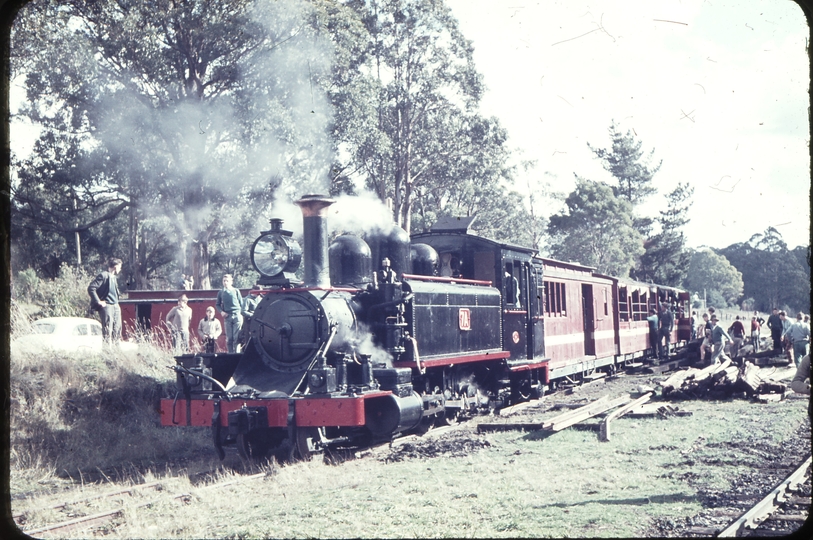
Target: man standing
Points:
(104, 298)
(755, 328)
(799, 335)
(249, 305)
(653, 331)
(209, 330)
(666, 321)
(178, 320)
(737, 331)
(717, 335)
(230, 304)
(775, 324)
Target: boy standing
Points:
(209, 330)
(717, 335)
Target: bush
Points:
(65, 296)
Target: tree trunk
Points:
(138, 250)
(141, 261)
(200, 264)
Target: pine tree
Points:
(626, 162)
(666, 260)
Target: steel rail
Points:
(126, 491)
(764, 508)
(104, 517)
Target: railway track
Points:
(82, 517)
(781, 512)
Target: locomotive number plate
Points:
(464, 319)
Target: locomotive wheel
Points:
(306, 442)
(427, 423)
(451, 418)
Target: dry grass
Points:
(74, 415)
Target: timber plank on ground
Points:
(604, 434)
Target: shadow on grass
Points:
(541, 434)
(638, 501)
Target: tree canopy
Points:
(177, 109)
(596, 230)
(773, 275)
(711, 273)
(666, 259)
(626, 162)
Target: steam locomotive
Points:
(388, 334)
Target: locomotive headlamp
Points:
(275, 252)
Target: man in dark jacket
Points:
(104, 298)
(666, 322)
(775, 324)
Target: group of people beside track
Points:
(792, 338)
(235, 310)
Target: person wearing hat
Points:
(717, 335)
(209, 330)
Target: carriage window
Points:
(606, 307)
(623, 306)
(555, 299)
(541, 300)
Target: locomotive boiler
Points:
(361, 350)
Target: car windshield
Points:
(43, 328)
(95, 330)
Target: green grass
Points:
(524, 485)
(71, 417)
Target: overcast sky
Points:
(717, 88)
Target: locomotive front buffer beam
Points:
(381, 413)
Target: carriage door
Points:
(515, 309)
(588, 310)
(536, 327)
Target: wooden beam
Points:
(508, 426)
(589, 413)
(574, 412)
(604, 434)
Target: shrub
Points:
(65, 296)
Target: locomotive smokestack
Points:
(314, 214)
